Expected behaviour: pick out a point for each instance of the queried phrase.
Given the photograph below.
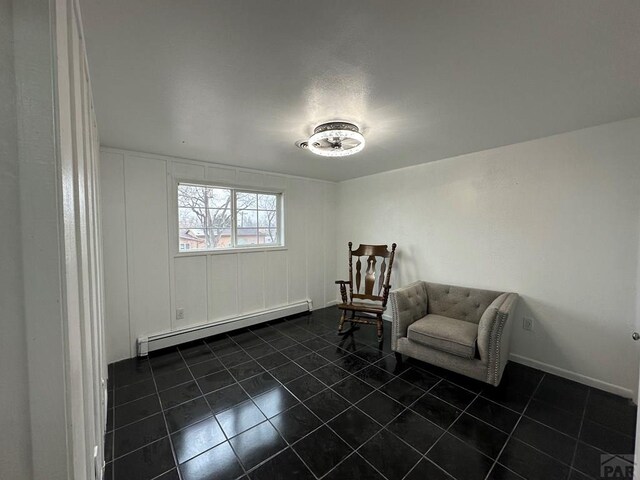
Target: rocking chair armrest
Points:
(343, 289)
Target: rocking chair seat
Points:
(362, 307)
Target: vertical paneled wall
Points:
(147, 281)
(145, 193)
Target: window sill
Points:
(227, 251)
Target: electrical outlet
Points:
(527, 323)
(179, 313)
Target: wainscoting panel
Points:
(251, 282)
(223, 286)
(275, 279)
(296, 240)
(187, 170)
(147, 245)
(221, 174)
(191, 291)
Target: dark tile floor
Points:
(292, 400)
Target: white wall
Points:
(15, 448)
(554, 219)
(145, 278)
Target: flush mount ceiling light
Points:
(334, 139)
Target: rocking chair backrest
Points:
(378, 262)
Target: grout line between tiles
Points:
(463, 411)
(584, 411)
(152, 377)
(330, 362)
(514, 428)
(352, 404)
(266, 420)
(244, 470)
(166, 425)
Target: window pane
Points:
(221, 238)
(267, 201)
(218, 198)
(247, 218)
(191, 196)
(267, 219)
(268, 236)
(191, 239)
(203, 197)
(247, 236)
(219, 218)
(272, 236)
(191, 217)
(246, 200)
(217, 238)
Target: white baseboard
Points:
(577, 377)
(169, 339)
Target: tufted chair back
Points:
(461, 303)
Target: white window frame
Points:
(280, 208)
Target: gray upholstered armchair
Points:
(465, 330)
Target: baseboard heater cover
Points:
(169, 339)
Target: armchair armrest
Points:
(343, 289)
(494, 332)
(408, 304)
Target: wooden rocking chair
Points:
(367, 307)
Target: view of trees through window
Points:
(210, 218)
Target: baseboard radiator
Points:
(169, 339)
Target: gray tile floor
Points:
(293, 400)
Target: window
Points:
(212, 218)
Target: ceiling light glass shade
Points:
(336, 139)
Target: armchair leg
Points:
(343, 317)
(398, 357)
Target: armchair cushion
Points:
(446, 334)
(459, 302)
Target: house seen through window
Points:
(211, 218)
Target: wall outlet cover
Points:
(527, 323)
(179, 313)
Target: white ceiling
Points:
(239, 81)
